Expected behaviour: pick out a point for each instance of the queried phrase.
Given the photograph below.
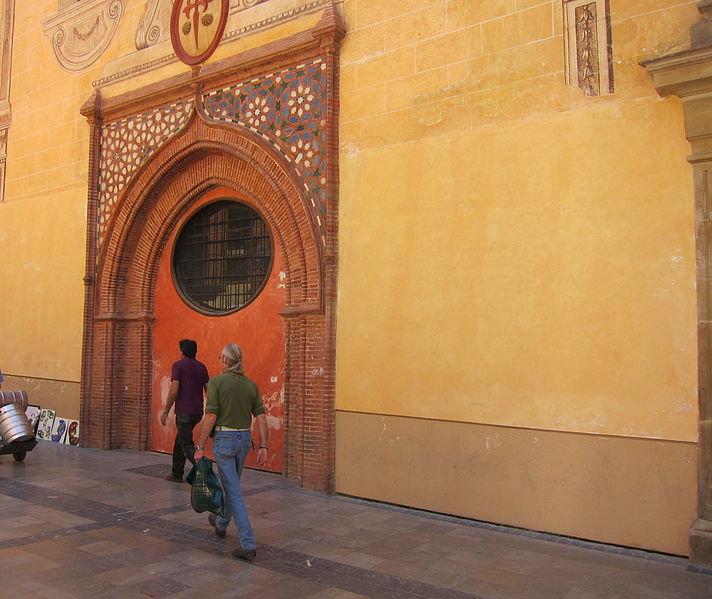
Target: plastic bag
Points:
(206, 494)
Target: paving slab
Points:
(78, 522)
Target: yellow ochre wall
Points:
(516, 305)
(516, 319)
(43, 216)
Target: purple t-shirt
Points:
(192, 376)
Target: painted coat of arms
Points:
(196, 28)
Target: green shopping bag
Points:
(206, 494)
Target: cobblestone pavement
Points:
(91, 523)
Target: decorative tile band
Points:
(287, 109)
(128, 143)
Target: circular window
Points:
(222, 257)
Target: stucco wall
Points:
(61, 396)
(533, 266)
(529, 274)
(513, 253)
(622, 490)
(43, 217)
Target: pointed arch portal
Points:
(164, 190)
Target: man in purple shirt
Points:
(189, 379)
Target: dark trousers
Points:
(184, 447)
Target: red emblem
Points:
(196, 28)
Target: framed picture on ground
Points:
(44, 429)
(72, 436)
(33, 415)
(59, 430)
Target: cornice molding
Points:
(154, 26)
(82, 32)
(682, 74)
(163, 55)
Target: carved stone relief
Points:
(3, 157)
(589, 64)
(7, 19)
(82, 31)
(154, 26)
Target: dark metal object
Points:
(15, 422)
(18, 449)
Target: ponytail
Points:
(233, 354)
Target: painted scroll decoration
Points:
(154, 25)
(83, 31)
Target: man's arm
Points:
(208, 424)
(172, 394)
(262, 450)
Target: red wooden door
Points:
(257, 328)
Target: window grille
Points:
(222, 257)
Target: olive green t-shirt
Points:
(234, 398)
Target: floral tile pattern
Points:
(126, 144)
(287, 109)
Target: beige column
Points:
(688, 75)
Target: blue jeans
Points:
(230, 449)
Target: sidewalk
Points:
(90, 523)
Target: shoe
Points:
(248, 555)
(214, 523)
(173, 478)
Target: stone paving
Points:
(90, 523)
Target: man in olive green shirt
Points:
(233, 400)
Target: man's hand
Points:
(262, 456)
(262, 450)
(170, 400)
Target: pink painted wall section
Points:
(258, 329)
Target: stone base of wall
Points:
(60, 396)
(624, 491)
(701, 542)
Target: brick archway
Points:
(116, 385)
